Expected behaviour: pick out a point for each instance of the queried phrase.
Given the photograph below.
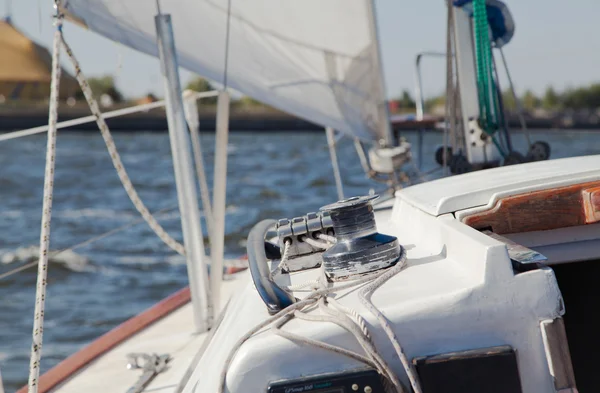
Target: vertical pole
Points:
(184, 178)
(334, 162)
(364, 162)
(191, 115)
(219, 196)
(419, 89)
(467, 81)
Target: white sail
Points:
(315, 59)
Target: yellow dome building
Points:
(25, 68)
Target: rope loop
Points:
(116, 158)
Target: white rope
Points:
(306, 340)
(116, 159)
(92, 118)
(284, 256)
(365, 297)
(353, 313)
(309, 300)
(81, 120)
(347, 324)
(314, 284)
(327, 238)
(358, 328)
(316, 243)
(40, 293)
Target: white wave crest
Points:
(68, 258)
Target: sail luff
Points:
(385, 130)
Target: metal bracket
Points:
(523, 258)
(302, 255)
(477, 138)
(152, 366)
(389, 159)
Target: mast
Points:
(184, 177)
(384, 130)
(478, 150)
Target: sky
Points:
(554, 44)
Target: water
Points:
(91, 290)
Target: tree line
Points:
(106, 86)
(579, 98)
(587, 97)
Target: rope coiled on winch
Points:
(342, 316)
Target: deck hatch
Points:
(490, 370)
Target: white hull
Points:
(459, 292)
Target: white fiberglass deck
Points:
(171, 335)
(478, 188)
(458, 292)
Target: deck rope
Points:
(115, 157)
(327, 238)
(348, 319)
(284, 256)
(40, 291)
(316, 243)
(365, 295)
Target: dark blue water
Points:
(271, 175)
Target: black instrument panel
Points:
(359, 381)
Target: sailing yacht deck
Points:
(172, 335)
(459, 292)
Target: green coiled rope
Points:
(487, 94)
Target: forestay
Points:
(316, 59)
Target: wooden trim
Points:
(559, 355)
(591, 204)
(65, 369)
(541, 210)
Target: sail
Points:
(318, 60)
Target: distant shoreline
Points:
(254, 120)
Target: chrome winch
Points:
(359, 248)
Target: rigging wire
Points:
(226, 61)
(89, 241)
(518, 105)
